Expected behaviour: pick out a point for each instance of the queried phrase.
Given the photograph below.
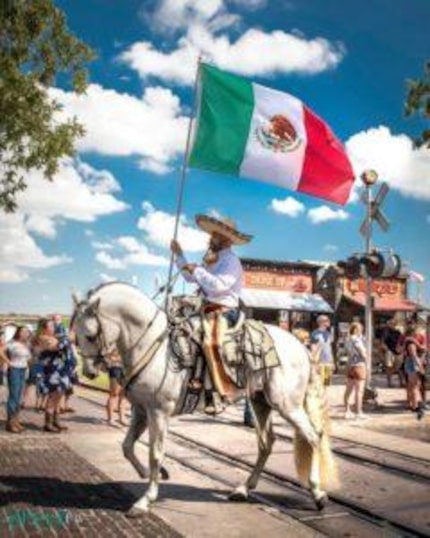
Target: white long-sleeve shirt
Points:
(221, 283)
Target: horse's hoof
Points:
(322, 501)
(164, 473)
(135, 513)
(240, 494)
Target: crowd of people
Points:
(44, 362)
(404, 352)
(42, 366)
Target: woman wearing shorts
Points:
(356, 372)
(414, 369)
(116, 394)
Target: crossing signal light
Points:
(382, 265)
(376, 265)
(351, 267)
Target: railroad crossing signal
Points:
(351, 267)
(375, 210)
(382, 264)
(375, 264)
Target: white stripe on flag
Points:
(284, 168)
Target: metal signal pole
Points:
(368, 179)
(373, 212)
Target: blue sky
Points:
(109, 213)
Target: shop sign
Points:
(298, 283)
(389, 288)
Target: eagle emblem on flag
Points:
(278, 134)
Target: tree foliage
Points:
(36, 47)
(418, 102)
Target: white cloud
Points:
(150, 128)
(129, 243)
(79, 192)
(250, 4)
(171, 15)
(393, 157)
(132, 252)
(19, 252)
(330, 248)
(255, 52)
(109, 261)
(41, 225)
(152, 165)
(12, 276)
(100, 181)
(106, 278)
(99, 245)
(159, 227)
(324, 213)
(89, 233)
(289, 206)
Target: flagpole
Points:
(182, 180)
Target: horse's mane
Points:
(103, 285)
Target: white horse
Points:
(118, 316)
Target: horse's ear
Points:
(76, 298)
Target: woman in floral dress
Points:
(55, 354)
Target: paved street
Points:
(48, 490)
(79, 484)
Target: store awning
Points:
(385, 304)
(284, 300)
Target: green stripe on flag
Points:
(225, 111)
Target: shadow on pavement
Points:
(56, 493)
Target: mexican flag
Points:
(248, 130)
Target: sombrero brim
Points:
(210, 225)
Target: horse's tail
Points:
(317, 409)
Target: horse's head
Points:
(96, 334)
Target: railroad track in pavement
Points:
(345, 515)
(390, 460)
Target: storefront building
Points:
(282, 293)
(347, 297)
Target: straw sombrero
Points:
(225, 227)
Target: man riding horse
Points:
(219, 278)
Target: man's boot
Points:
(212, 404)
(57, 424)
(18, 423)
(12, 426)
(49, 426)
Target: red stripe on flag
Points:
(327, 172)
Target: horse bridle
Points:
(105, 348)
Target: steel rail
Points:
(359, 510)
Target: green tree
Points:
(418, 102)
(36, 46)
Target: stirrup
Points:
(214, 409)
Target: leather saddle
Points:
(247, 346)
